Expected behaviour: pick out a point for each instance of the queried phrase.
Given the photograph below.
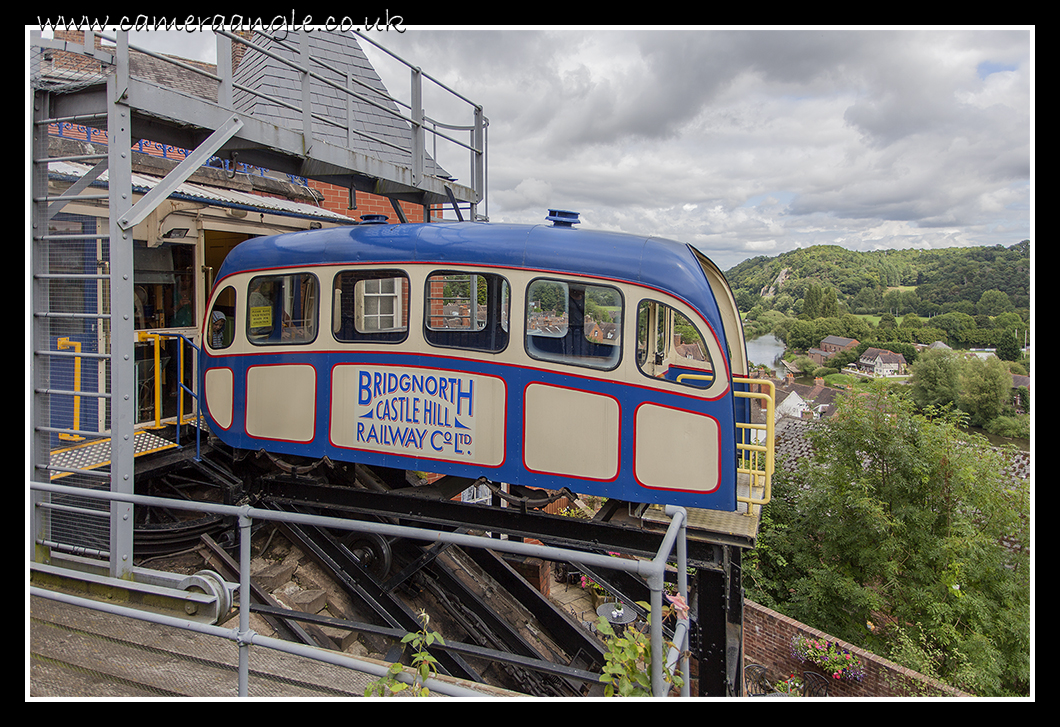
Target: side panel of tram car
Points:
(609, 423)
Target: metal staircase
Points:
(324, 121)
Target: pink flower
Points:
(680, 605)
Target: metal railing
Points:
(410, 146)
(182, 388)
(651, 571)
(755, 457)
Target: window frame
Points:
(229, 312)
(495, 334)
(571, 337)
(665, 327)
(355, 318)
(279, 302)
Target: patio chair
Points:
(814, 684)
(756, 680)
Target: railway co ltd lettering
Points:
(415, 412)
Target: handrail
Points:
(760, 474)
(61, 344)
(307, 66)
(651, 571)
(144, 336)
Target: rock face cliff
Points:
(778, 283)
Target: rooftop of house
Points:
(838, 341)
(871, 354)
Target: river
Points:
(766, 350)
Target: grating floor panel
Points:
(96, 454)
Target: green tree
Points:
(937, 378)
(829, 303)
(890, 537)
(911, 320)
(801, 335)
(867, 300)
(994, 302)
(986, 386)
(955, 324)
(745, 300)
(811, 301)
(892, 301)
(1008, 348)
(855, 327)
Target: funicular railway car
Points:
(543, 355)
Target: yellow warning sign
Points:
(261, 316)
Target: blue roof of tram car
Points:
(652, 261)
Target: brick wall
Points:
(337, 199)
(767, 641)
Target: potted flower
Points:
(832, 658)
(596, 591)
(792, 685)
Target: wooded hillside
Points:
(925, 282)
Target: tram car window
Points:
(574, 323)
(467, 310)
(669, 346)
(370, 306)
(221, 323)
(282, 309)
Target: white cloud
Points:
(750, 141)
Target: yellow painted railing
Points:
(62, 344)
(756, 453)
(157, 338)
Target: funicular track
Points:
(487, 622)
(438, 574)
(532, 646)
(180, 474)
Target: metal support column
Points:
(39, 366)
(720, 643)
(122, 337)
(418, 147)
(478, 162)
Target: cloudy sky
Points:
(747, 142)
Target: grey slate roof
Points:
(342, 54)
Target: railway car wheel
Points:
(372, 552)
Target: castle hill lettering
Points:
(415, 412)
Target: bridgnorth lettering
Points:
(416, 412)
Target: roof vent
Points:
(563, 218)
(373, 219)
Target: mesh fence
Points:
(70, 372)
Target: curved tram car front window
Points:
(412, 364)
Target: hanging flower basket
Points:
(832, 658)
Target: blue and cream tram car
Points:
(543, 355)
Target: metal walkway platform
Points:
(96, 453)
(77, 652)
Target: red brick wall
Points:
(767, 641)
(337, 199)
